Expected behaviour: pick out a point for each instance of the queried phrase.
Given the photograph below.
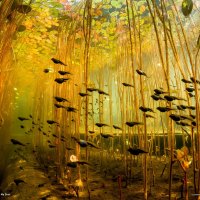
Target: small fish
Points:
(56, 61)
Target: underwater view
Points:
(99, 99)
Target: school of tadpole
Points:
(99, 99)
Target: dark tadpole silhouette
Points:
(192, 116)
(145, 109)
(127, 85)
(54, 135)
(60, 99)
(76, 163)
(131, 124)
(91, 132)
(117, 127)
(84, 143)
(52, 146)
(149, 116)
(106, 135)
(159, 91)
(21, 126)
(23, 118)
(172, 98)
(58, 105)
(64, 72)
(165, 109)
(56, 61)
(71, 109)
(52, 122)
(186, 117)
(140, 72)
(192, 79)
(61, 80)
(101, 124)
(191, 107)
(102, 92)
(46, 70)
(156, 97)
(92, 89)
(190, 89)
(182, 123)
(191, 95)
(83, 94)
(16, 142)
(175, 117)
(185, 80)
(193, 123)
(182, 107)
(136, 151)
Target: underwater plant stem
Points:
(194, 72)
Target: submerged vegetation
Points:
(91, 83)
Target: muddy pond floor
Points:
(107, 182)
